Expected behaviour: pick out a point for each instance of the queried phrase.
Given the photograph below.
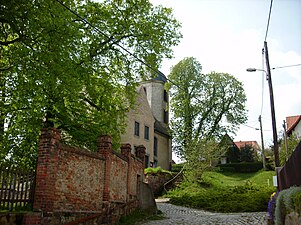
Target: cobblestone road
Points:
(177, 215)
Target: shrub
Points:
(177, 167)
(157, 170)
(287, 201)
(245, 198)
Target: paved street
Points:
(182, 215)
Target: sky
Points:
(228, 36)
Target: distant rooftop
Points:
(241, 144)
(292, 122)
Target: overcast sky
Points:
(228, 36)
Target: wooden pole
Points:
(275, 141)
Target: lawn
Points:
(226, 192)
(229, 179)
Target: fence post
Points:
(44, 196)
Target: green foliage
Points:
(177, 167)
(245, 167)
(292, 143)
(225, 193)
(57, 71)
(233, 154)
(247, 198)
(199, 102)
(199, 158)
(288, 200)
(139, 216)
(247, 154)
(157, 170)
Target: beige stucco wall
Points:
(155, 97)
(164, 151)
(143, 115)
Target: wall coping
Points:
(80, 151)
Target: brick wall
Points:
(70, 180)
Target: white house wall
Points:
(297, 130)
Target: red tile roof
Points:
(241, 144)
(292, 122)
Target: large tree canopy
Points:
(59, 71)
(204, 106)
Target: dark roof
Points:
(160, 128)
(160, 77)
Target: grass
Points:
(226, 192)
(228, 179)
(139, 216)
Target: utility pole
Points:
(275, 141)
(262, 144)
(285, 139)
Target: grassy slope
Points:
(236, 179)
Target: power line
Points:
(267, 29)
(279, 67)
(255, 128)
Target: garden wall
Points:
(74, 185)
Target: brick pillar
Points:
(126, 151)
(46, 171)
(104, 146)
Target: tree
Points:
(203, 106)
(292, 143)
(247, 154)
(59, 71)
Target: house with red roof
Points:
(293, 124)
(242, 144)
(255, 146)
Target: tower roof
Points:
(160, 77)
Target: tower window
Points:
(165, 96)
(165, 116)
(146, 132)
(155, 146)
(136, 129)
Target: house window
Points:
(137, 127)
(165, 96)
(165, 116)
(146, 132)
(155, 146)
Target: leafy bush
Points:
(157, 170)
(288, 201)
(245, 167)
(245, 198)
(177, 167)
